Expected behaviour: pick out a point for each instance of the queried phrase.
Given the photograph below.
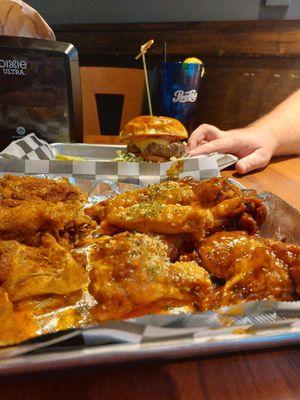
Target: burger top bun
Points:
(147, 126)
(19, 19)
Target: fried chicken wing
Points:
(23, 221)
(21, 188)
(132, 275)
(184, 192)
(175, 207)
(251, 269)
(30, 206)
(241, 213)
(38, 215)
(27, 272)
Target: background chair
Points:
(111, 97)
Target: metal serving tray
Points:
(108, 152)
(103, 152)
(253, 325)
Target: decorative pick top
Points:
(143, 50)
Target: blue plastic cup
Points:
(180, 86)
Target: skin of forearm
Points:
(282, 126)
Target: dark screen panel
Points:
(33, 95)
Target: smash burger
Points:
(155, 138)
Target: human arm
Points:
(276, 133)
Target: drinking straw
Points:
(142, 53)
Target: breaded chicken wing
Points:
(220, 251)
(28, 272)
(30, 217)
(21, 188)
(30, 206)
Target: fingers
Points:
(253, 153)
(225, 144)
(255, 160)
(204, 131)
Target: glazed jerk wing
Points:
(132, 275)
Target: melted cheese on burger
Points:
(144, 143)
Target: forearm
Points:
(282, 126)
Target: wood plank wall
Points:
(251, 65)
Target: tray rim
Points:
(168, 350)
(87, 144)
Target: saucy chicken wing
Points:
(249, 266)
(132, 275)
(290, 255)
(258, 275)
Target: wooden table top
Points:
(269, 374)
(281, 176)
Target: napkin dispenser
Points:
(40, 90)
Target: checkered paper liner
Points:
(31, 155)
(29, 147)
(261, 319)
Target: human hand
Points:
(251, 145)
